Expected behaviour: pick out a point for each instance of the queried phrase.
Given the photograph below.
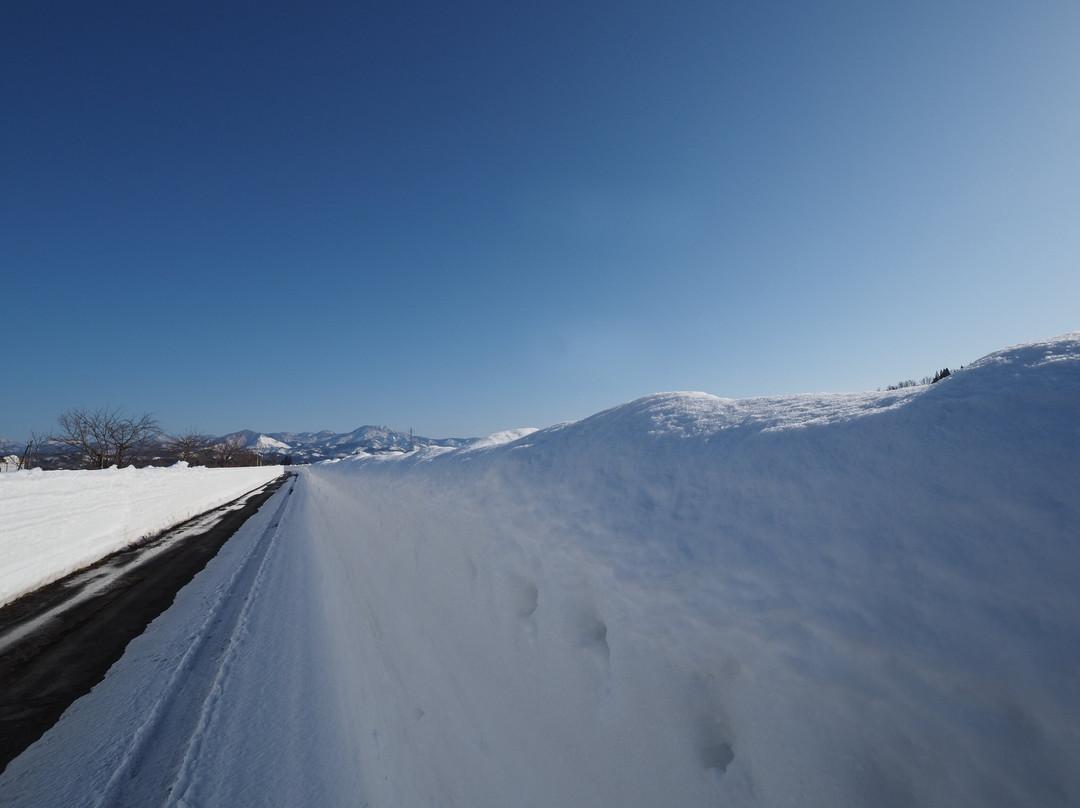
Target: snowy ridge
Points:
(499, 439)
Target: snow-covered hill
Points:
(826, 600)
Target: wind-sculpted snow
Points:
(811, 600)
(831, 600)
(55, 522)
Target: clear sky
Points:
(472, 216)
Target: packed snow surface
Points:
(56, 522)
(821, 600)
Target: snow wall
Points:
(56, 522)
(821, 600)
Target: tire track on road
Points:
(53, 652)
(155, 760)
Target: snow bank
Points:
(55, 522)
(840, 600)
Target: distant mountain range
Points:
(310, 447)
(303, 447)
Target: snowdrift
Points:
(832, 600)
(55, 522)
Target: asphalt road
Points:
(58, 642)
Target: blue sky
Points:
(482, 215)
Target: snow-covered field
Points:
(820, 600)
(56, 522)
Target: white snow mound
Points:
(865, 599)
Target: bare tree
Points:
(230, 451)
(130, 437)
(193, 447)
(31, 456)
(106, 437)
(84, 433)
(227, 451)
(249, 457)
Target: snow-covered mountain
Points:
(308, 447)
(300, 447)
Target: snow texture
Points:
(55, 522)
(821, 600)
